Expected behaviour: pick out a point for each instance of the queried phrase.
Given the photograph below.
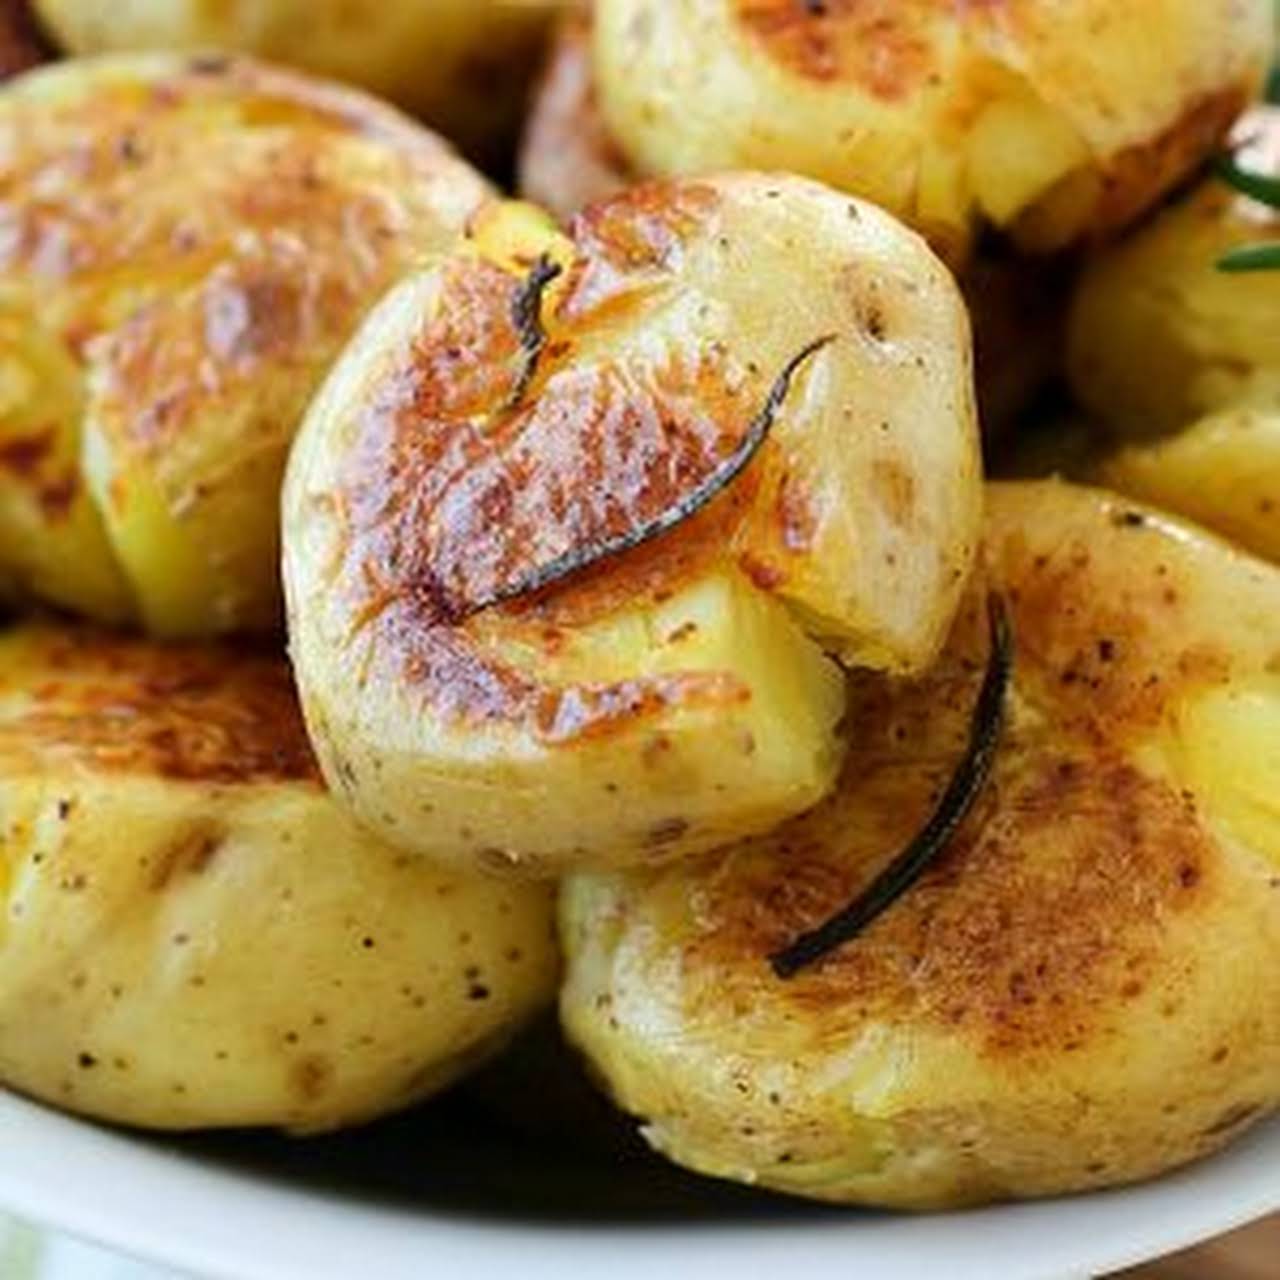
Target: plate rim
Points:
(116, 1190)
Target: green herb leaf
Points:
(1251, 257)
(1257, 186)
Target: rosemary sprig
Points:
(1264, 256)
(1251, 257)
(526, 318)
(957, 803)
(1257, 186)
(579, 558)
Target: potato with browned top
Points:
(463, 65)
(190, 242)
(1052, 121)
(193, 934)
(541, 396)
(1078, 992)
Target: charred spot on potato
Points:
(200, 714)
(641, 230)
(190, 854)
(871, 43)
(312, 1077)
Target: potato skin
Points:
(462, 65)
(1070, 998)
(193, 240)
(1159, 337)
(194, 935)
(568, 159)
(677, 696)
(1054, 121)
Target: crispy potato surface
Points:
(188, 244)
(1054, 121)
(666, 699)
(193, 934)
(1077, 994)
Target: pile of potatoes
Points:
(427, 604)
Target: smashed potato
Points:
(540, 399)
(1052, 121)
(1017, 305)
(463, 65)
(193, 934)
(189, 243)
(1223, 471)
(1076, 994)
(1159, 336)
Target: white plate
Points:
(414, 1199)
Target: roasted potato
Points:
(1052, 121)
(189, 243)
(463, 65)
(193, 934)
(494, 422)
(1159, 336)
(569, 159)
(1223, 471)
(1077, 993)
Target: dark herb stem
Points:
(579, 558)
(957, 802)
(526, 317)
(1264, 188)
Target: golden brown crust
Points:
(120, 144)
(1066, 999)
(90, 699)
(1056, 125)
(1023, 955)
(437, 517)
(189, 243)
(1021, 950)
(879, 45)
